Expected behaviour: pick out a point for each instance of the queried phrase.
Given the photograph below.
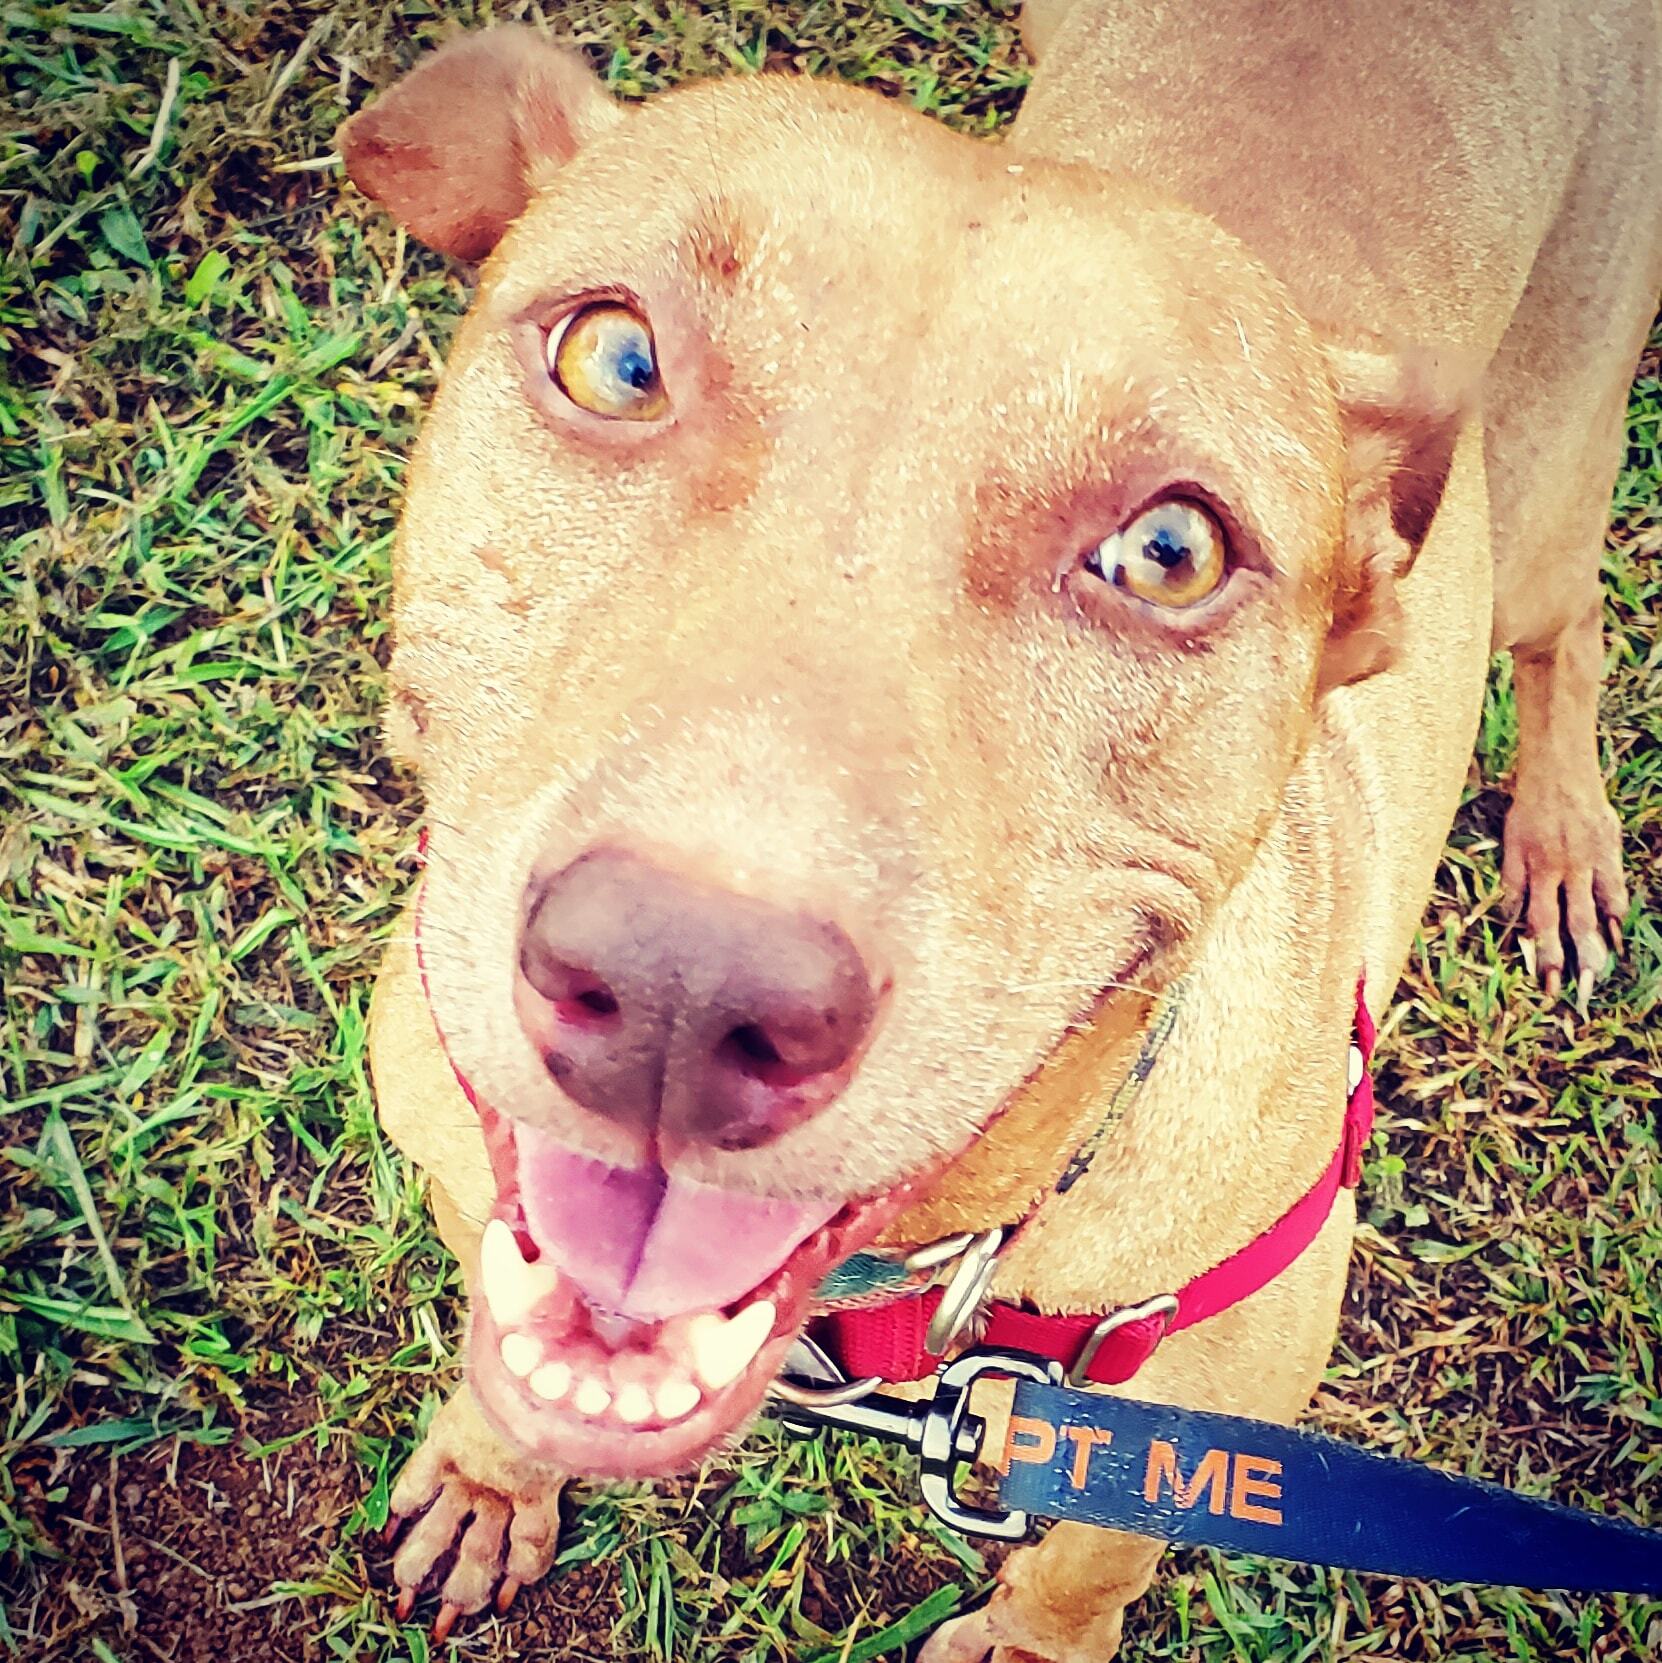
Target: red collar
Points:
(887, 1340)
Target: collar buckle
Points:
(1163, 1305)
(964, 1292)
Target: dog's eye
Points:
(1172, 555)
(603, 358)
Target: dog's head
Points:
(860, 598)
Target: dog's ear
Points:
(455, 150)
(1402, 413)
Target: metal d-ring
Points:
(962, 1296)
(934, 1253)
(1163, 1305)
(824, 1397)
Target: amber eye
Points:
(603, 358)
(1172, 555)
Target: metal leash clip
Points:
(939, 1430)
(811, 1380)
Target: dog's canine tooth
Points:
(722, 1347)
(513, 1289)
(520, 1354)
(552, 1381)
(592, 1398)
(752, 1326)
(633, 1405)
(677, 1398)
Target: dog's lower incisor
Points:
(877, 608)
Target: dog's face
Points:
(859, 601)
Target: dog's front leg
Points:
(1563, 840)
(1062, 1600)
(468, 1493)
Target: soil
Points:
(213, 1541)
(177, 1551)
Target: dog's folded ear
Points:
(455, 149)
(1402, 413)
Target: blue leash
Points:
(1182, 1476)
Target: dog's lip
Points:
(592, 1437)
(603, 1447)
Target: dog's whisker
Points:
(1080, 989)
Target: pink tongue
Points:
(650, 1246)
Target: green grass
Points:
(213, 1272)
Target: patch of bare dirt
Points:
(213, 1554)
(180, 1550)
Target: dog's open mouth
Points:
(625, 1322)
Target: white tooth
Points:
(520, 1354)
(677, 1398)
(706, 1335)
(633, 1406)
(752, 1326)
(592, 1398)
(722, 1347)
(551, 1382)
(513, 1289)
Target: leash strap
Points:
(1245, 1485)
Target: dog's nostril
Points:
(598, 1001)
(783, 1054)
(580, 998)
(748, 1048)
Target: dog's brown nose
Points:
(686, 1012)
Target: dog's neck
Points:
(1244, 1106)
(1018, 1159)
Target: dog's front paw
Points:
(1061, 1600)
(1000, 1632)
(963, 1640)
(1564, 859)
(966, 1639)
(471, 1501)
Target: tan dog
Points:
(875, 606)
